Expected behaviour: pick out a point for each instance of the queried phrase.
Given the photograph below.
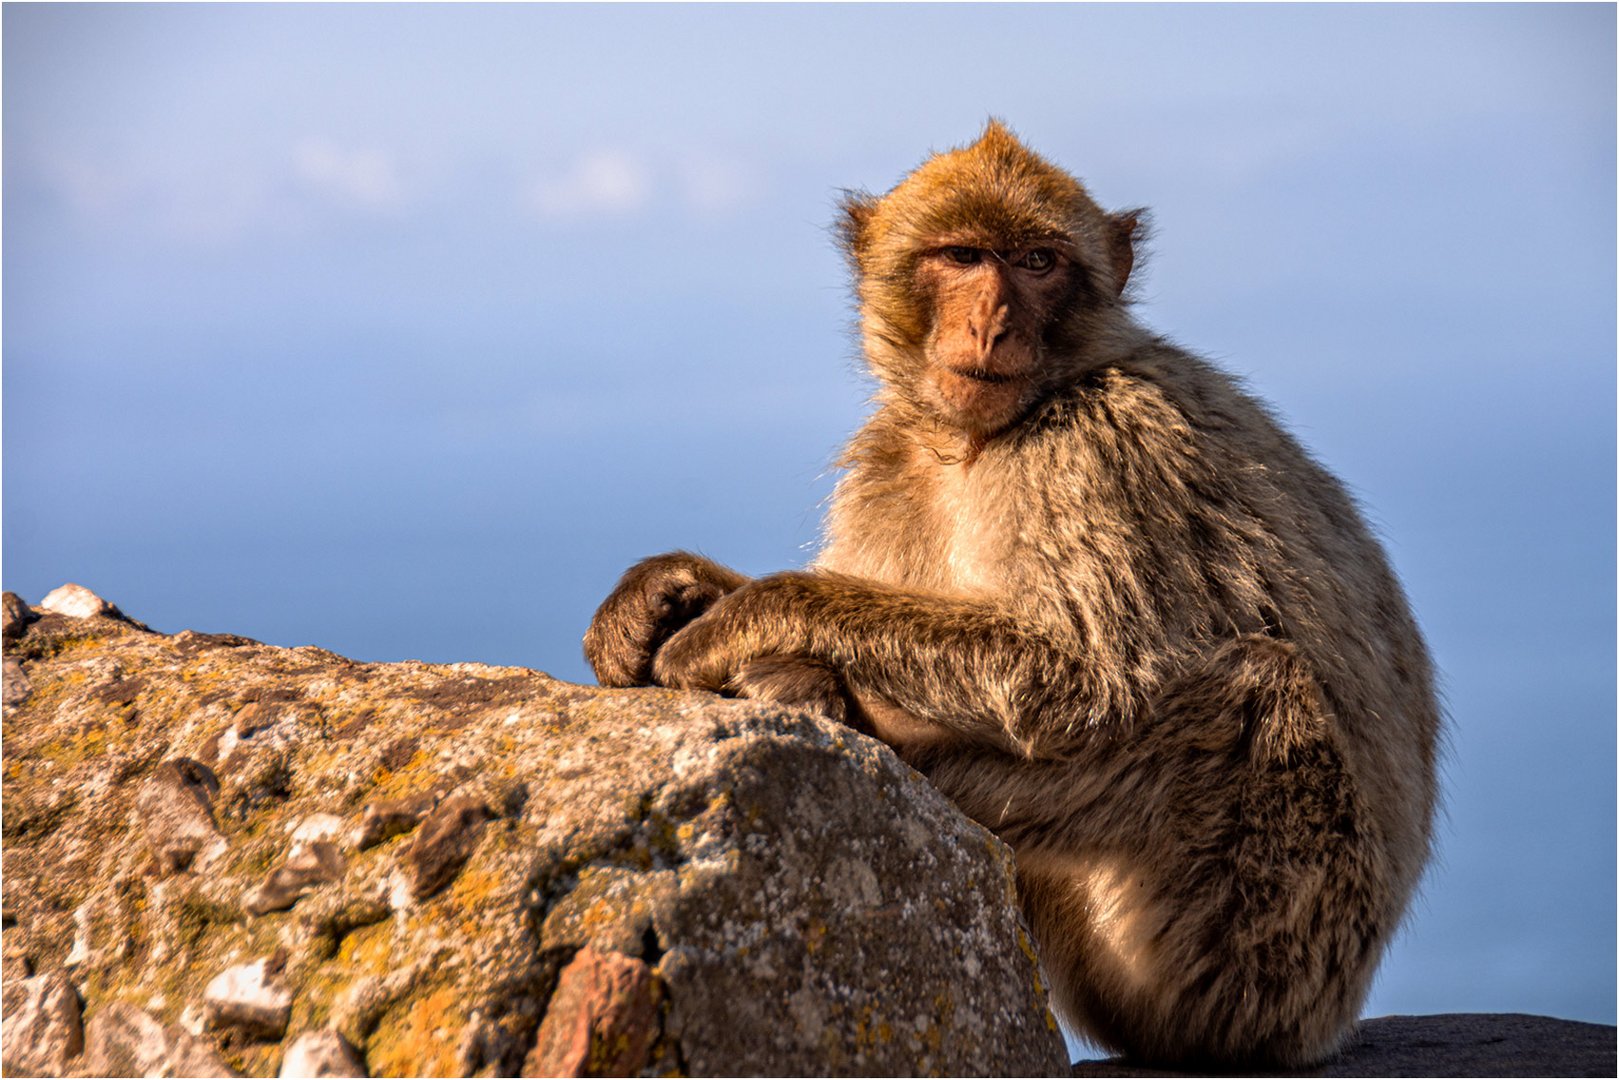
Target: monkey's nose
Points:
(988, 329)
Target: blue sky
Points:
(402, 330)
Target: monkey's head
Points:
(982, 276)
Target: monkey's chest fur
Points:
(1145, 520)
(1106, 521)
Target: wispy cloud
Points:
(365, 177)
(601, 183)
(207, 203)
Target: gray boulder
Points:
(259, 859)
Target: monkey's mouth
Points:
(982, 376)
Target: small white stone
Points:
(80, 951)
(321, 1053)
(399, 896)
(75, 601)
(192, 1021)
(248, 997)
(316, 828)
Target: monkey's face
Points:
(989, 306)
(985, 276)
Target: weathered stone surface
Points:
(76, 602)
(730, 887)
(601, 1021)
(42, 1030)
(175, 811)
(387, 818)
(249, 998)
(308, 865)
(17, 615)
(446, 841)
(122, 1040)
(14, 684)
(319, 1054)
(1450, 1044)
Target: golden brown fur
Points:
(1088, 586)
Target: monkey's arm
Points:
(653, 600)
(971, 668)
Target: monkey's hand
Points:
(653, 600)
(758, 621)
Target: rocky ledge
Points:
(224, 857)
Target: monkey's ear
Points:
(857, 208)
(1125, 230)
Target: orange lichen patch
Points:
(74, 749)
(48, 692)
(864, 1033)
(1027, 947)
(369, 949)
(475, 891)
(814, 936)
(255, 1060)
(407, 779)
(418, 1038)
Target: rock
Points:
(388, 818)
(122, 1040)
(15, 685)
(14, 955)
(42, 1031)
(175, 809)
(1451, 1044)
(1460, 1044)
(702, 885)
(76, 602)
(601, 1021)
(308, 865)
(248, 998)
(446, 841)
(17, 615)
(321, 1053)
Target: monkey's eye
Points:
(966, 256)
(1039, 260)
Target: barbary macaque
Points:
(1091, 589)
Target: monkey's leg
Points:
(1208, 887)
(653, 600)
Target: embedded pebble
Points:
(175, 807)
(601, 1021)
(251, 719)
(388, 818)
(307, 866)
(17, 615)
(446, 841)
(14, 685)
(43, 1030)
(321, 1053)
(249, 998)
(123, 1040)
(75, 601)
(316, 828)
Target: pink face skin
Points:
(990, 307)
